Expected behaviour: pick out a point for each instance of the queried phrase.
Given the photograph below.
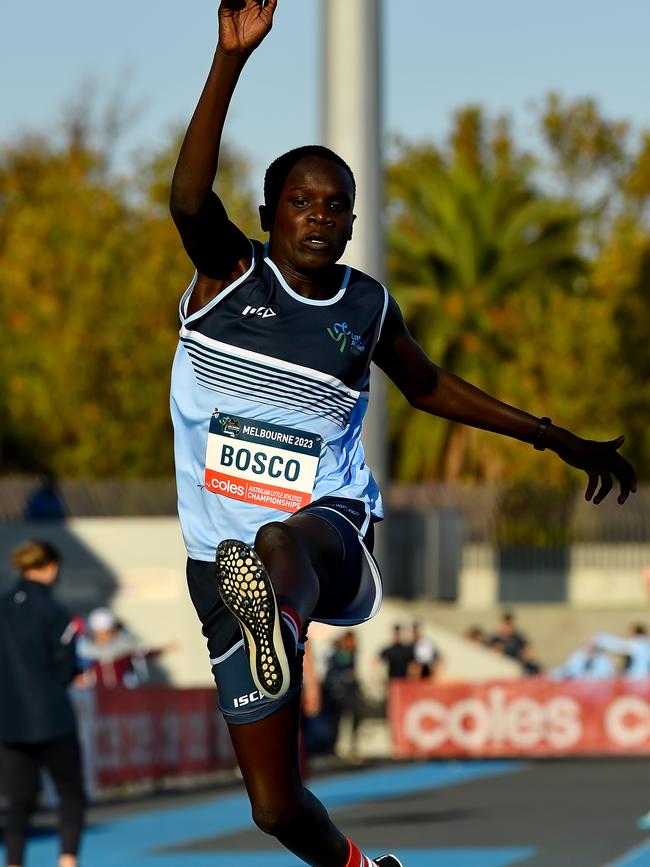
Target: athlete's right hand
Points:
(243, 24)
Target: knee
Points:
(277, 819)
(273, 537)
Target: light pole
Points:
(352, 126)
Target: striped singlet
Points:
(268, 394)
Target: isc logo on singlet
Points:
(264, 312)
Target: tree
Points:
(494, 284)
(91, 270)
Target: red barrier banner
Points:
(531, 717)
(152, 732)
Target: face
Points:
(313, 220)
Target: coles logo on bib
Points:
(261, 463)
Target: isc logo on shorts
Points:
(247, 699)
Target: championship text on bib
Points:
(261, 463)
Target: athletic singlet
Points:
(268, 394)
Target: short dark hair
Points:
(280, 169)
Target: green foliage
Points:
(91, 270)
(492, 281)
(533, 286)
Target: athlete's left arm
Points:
(438, 392)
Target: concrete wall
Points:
(612, 576)
(137, 567)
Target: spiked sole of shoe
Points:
(247, 592)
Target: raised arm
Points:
(433, 390)
(212, 242)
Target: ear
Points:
(354, 216)
(265, 218)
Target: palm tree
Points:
(470, 236)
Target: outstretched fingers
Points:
(627, 479)
(606, 485)
(592, 484)
(622, 471)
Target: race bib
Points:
(262, 463)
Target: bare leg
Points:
(303, 556)
(267, 752)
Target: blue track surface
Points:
(136, 841)
(639, 857)
(438, 814)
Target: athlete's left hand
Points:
(601, 461)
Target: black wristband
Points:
(540, 433)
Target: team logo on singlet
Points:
(341, 333)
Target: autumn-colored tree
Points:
(91, 270)
(604, 162)
(529, 277)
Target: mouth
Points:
(315, 241)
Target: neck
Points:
(42, 581)
(318, 285)
(44, 576)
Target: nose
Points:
(320, 216)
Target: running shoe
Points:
(247, 592)
(387, 861)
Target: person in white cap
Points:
(111, 655)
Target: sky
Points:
(438, 56)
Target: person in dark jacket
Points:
(37, 723)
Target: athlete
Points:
(269, 389)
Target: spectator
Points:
(37, 724)
(397, 656)
(341, 690)
(585, 663)
(314, 730)
(495, 644)
(636, 649)
(111, 655)
(512, 641)
(426, 657)
(45, 502)
(476, 635)
(530, 664)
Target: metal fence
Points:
(531, 537)
(526, 516)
